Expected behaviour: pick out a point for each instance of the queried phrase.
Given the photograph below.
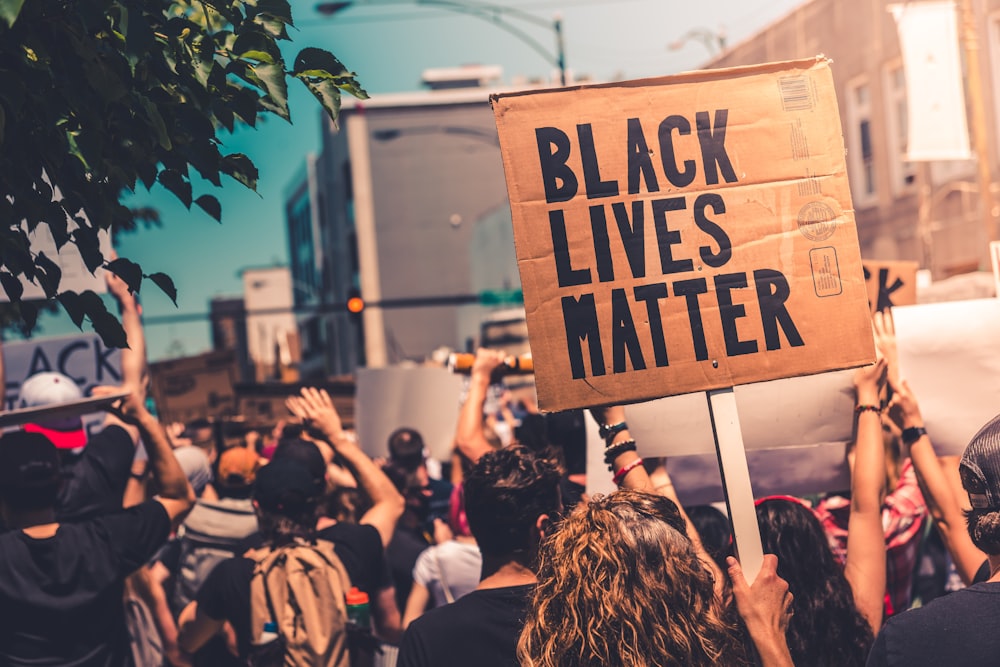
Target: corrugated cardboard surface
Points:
(890, 283)
(194, 387)
(748, 158)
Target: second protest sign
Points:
(685, 233)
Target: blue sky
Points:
(389, 44)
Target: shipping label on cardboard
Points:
(890, 283)
(684, 233)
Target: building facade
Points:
(931, 212)
(271, 331)
(412, 212)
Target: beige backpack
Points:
(301, 588)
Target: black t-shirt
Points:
(93, 483)
(404, 548)
(480, 629)
(225, 595)
(61, 597)
(961, 628)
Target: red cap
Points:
(68, 439)
(356, 596)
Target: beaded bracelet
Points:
(609, 431)
(620, 475)
(868, 408)
(616, 450)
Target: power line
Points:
(319, 309)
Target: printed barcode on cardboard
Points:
(795, 93)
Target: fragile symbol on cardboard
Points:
(685, 233)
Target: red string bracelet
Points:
(620, 475)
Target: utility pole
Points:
(970, 44)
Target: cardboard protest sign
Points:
(262, 404)
(194, 387)
(83, 357)
(890, 284)
(426, 398)
(685, 233)
(948, 354)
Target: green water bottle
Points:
(357, 607)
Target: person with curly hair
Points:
(625, 581)
(619, 583)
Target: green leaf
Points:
(256, 45)
(241, 168)
(89, 245)
(9, 11)
(58, 224)
(128, 271)
(166, 284)
(29, 313)
(156, 122)
(328, 95)
(173, 181)
(11, 286)
(108, 327)
(280, 10)
(73, 305)
(273, 79)
(48, 275)
(276, 27)
(210, 205)
(244, 105)
(139, 37)
(3, 123)
(319, 63)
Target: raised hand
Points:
(316, 406)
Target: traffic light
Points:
(355, 304)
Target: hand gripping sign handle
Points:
(736, 480)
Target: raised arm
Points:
(469, 436)
(940, 496)
(316, 406)
(133, 357)
(630, 472)
(168, 478)
(865, 566)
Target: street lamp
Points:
(495, 14)
(713, 41)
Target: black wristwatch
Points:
(912, 434)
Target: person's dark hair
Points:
(406, 448)
(203, 433)
(715, 532)
(303, 451)
(29, 471)
(505, 493)
(568, 431)
(286, 495)
(984, 529)
(620, 583)
(533, 434)
(826, 628)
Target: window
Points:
(901, 172)
(860, 147)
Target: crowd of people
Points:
(154, 546)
